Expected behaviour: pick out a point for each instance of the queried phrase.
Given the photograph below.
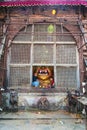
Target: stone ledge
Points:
(30, 100)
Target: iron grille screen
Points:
(43, 53)
(19, 76)
(66, 77)
(20, 53)
(25, 34)
(44, 32)
(66, 54)
(62, 34)
(39, 51)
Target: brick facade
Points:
(19, 21)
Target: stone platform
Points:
(41, 120)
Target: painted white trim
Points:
(43, 42)
(67, 65)
(19, 65)
(21, 42)
(31, 56)
(68, 42)
(77, 73)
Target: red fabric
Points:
(42, 2)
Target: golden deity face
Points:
(43, 73)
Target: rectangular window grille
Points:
(19, 76)
(64, 37)
(25, 34)
(66, 77)
(43, 53)
(63, 34)
(43, 32)
(66, 54)
(20, 53)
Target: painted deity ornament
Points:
(43, 75)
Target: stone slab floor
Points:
(41, 120)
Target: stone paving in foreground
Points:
(40, 120)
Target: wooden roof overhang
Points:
(41, 2)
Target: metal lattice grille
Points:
(66, 36)
(66, 54)
(43, 53)
(20, 53)
(37, 45)
(19, 76)
(43, 33)
(25, 34)
(66, 77)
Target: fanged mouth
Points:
(43, 72)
